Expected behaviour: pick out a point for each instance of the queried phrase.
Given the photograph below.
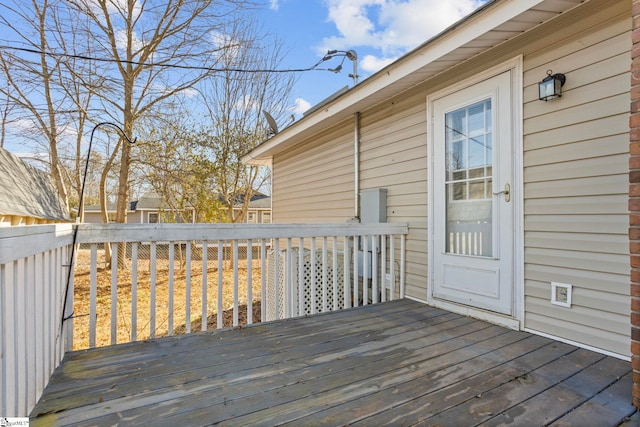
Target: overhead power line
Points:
(175, 66)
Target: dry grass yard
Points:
(162, 295)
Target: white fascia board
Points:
(461, 33)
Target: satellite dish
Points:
(273, 126)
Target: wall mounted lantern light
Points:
(551, 86)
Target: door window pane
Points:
(468, 182)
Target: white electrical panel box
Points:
(373, 209)
(373, 205)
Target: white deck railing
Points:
(33, 275)
(162, 279)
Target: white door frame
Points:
(517, 191)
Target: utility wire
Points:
(176, 66)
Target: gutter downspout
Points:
(356, 165)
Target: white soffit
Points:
(486, 28)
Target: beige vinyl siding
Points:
(393, 155)
(314, 182)
(576, 185)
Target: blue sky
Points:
(380, 31)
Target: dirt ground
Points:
(143, 299)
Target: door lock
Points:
(506, 192)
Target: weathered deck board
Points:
(398, 363)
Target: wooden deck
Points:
(397, 363)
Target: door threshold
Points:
(477, 313)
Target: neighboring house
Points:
(259, 211)
(28, 195)
(517, 208)
(147, 209)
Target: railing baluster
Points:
(249, 282)
(334, 288)
(69, 309)
(219, 319)
(403, 248)
(383, 258)
(114, 293)
(346, 285)
(29, 326)
(203, 287)
(61, 257)
(324, 274)
(171, 261)
(93, 292)
(356, 273)
(276, 273)
(312, 277)
(288, 282)
(8, 315)
(374, 270)
(22, 326)
(187, 286)
(365, 270)
(235, 282)
(263, 280)
(134, 291)
(392, 267)
(300, 283)
(152, 284)
(19, 324)
(48, 270)
(40, 285)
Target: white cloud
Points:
(300, 106)
(228, 48)
(371, 63)
(274, 5)
(190, 92)
(391, 27)
(115, 8)
(121, 41)
(121, 6)
(246, 104)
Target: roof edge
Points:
(477, 23)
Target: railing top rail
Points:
(24, 241)
(114, 232)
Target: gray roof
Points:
(148, 201)
(27, 191)
(257, 202)
(263, 203)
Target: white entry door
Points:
(472, 196)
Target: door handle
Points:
(506, 192)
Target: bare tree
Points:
(80, 83)
(30, 83)
(127, 61)
(200, 164)
(6, 110)
(235, 103)
(140, 38)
